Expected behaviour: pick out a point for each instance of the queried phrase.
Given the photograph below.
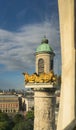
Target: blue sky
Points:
(23, 24)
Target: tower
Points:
(44, 92)
(44, 97)
(44, 57)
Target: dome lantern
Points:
(44, 57)
(44, 47)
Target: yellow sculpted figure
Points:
(29, 78)
(42, 78)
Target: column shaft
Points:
(44, 103)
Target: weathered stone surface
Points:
(67, 100)
(39, 85)
(44, 111)
(47, 58)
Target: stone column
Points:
(44, 105)
(66, 117)
(44, 109)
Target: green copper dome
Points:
(44, 47)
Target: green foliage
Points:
(30, 115)
(18, 122)
(26, 125)
(4, 117)
(5, 126)
(18, 118)
(4, 122)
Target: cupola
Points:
(44, 47)
(44, 57)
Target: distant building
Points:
(27, 103)
(9, 103)
(30, 103)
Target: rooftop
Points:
(44, 47)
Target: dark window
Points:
(51, 65)
(14, 110)
(40, 66)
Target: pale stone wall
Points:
(47, 61)
(67, 100)
(44, 110)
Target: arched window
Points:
(51, 64)
(40, 66)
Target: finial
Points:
(44, 40)
(45, 36)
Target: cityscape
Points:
(37, 65)
(14, 103)
(21, 102)
(23, 24)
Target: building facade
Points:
(9, 103)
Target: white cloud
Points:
(17, 48)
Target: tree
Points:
(30, 115)
(4, 117)
(5, 125)
(4, 122)
(24, 123)
(18, 118)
